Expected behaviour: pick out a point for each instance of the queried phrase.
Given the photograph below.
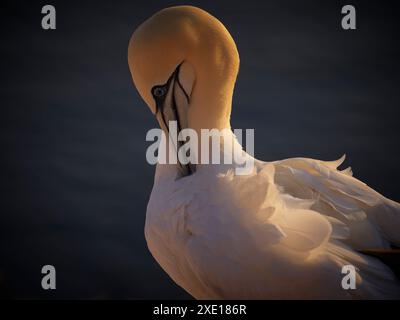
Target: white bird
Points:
(286, 230)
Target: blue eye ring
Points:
(159, 91)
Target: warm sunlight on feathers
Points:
(284, 231)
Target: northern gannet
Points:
(286, 230)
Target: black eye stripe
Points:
(157, 93)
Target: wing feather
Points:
(373, 220)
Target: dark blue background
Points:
(75, 183)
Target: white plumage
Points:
(283, 232)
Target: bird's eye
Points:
(159, 91)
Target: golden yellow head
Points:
(184, 56)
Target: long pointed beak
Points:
(173, 105)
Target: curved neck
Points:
(224, 152)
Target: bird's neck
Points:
(210, 107)
(217, 149)
(209, 117)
